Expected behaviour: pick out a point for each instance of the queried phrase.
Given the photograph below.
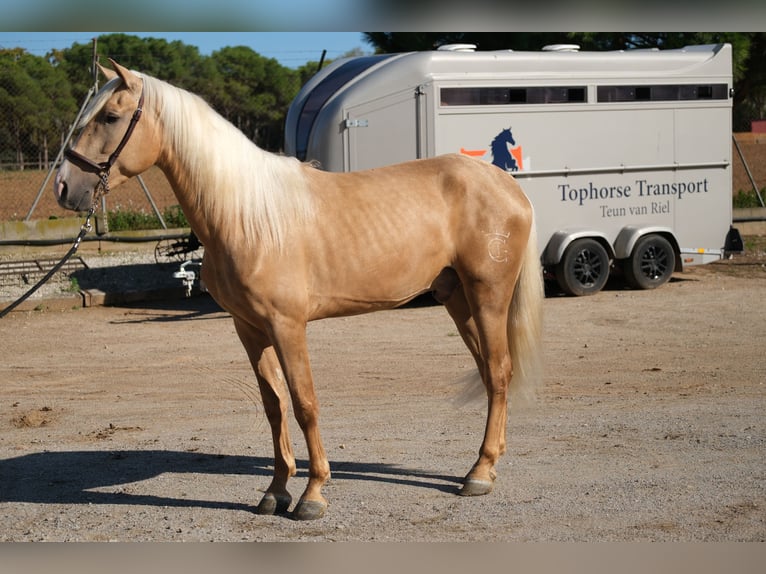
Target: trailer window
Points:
(662, 93)
(498, 96)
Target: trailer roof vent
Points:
(457, 48)
(561, 48)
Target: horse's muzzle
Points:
(65, 198)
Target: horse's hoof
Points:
(274, 504)
(475, 487)
(309, 510)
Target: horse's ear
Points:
(108, 74)
(131, 80)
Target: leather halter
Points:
(102, 169)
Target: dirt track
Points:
(143, 423)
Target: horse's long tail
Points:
(525, 328)
(525, 322)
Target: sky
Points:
(291, 49)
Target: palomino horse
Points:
(287, 243)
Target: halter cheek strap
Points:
(102, 169)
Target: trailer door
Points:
(382, 131)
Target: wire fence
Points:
(31, 148)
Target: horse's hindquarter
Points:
(382, 236)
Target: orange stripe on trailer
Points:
(473, 152)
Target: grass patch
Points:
(74, 286)
(744, 199)
(128, 220)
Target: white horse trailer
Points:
(626, 155)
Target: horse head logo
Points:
(502, 155)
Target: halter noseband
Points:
(103, 168)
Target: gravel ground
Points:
(142, 422)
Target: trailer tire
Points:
(584, 268)
(651, 264)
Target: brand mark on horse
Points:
(497, 246)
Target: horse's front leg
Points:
(268, 372)
(277, 499)
(290, 344)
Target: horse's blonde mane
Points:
(98, 102)
(243, 191)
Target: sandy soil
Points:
(143, 422)
(21, 189)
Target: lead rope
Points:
(101, 189)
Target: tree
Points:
(174, 62)
(253, 92)
(39, 97)
(35, 104)
(750, 89)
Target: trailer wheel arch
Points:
(560, 240)
(585, 267)
(581, 261)
(652, 262)
(630, 235)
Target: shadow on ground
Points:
(84, 477)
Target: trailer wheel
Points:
(584, 268)
(651, 264)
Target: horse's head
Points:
(113, 145)
(503, 138)
(507, 136)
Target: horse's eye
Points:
(111, 118)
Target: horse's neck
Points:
(179, 171)
(229, 189)
(500, 146)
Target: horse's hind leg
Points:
(276, 499)
(457, 307)
(485, 335)
(448, 290)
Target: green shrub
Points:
(174, 217)
(126, 220)
(122, 220)
(743, 199)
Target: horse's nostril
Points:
(62, 189)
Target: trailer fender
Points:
(560, 240)
(630, 234)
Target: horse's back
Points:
(455, 177)
(484, 180)
(484, 199)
